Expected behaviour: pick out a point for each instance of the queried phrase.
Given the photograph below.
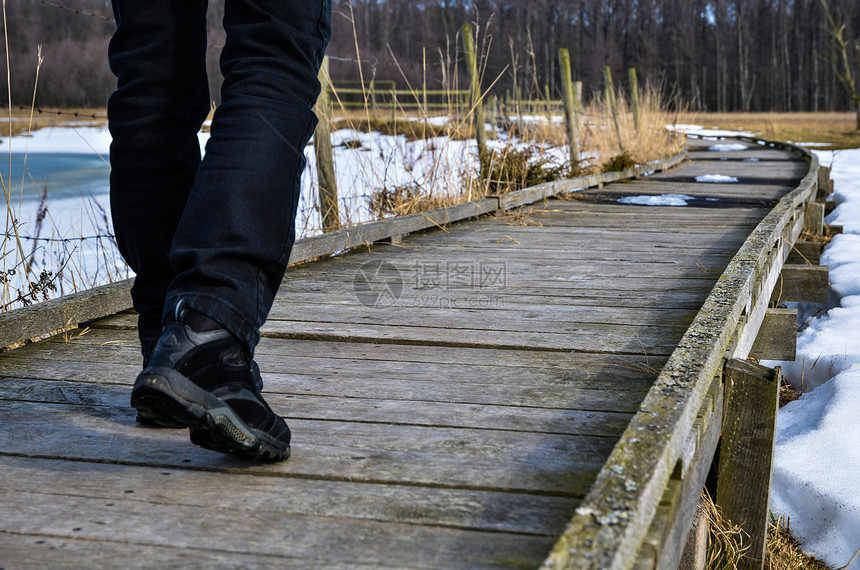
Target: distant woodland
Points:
(717, 55)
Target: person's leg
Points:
(233, 243)
(162, 97)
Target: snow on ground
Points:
(716, 178)
(727, 147)
(661, 200)
(70, 164)
(706, 133)
(817, 459)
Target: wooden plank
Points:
(419, 410)
(489, 460)
(803, 284)
(299, 540)
(584, 337)
(777, 337)
(453, 309)
(805, 253)
(39, 550)
(402, 504)
(564, 393)
(698, 456)
(746, 452)
(63, 313)
(814, 220)
(327, 244)
(438, 363)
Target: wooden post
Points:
(746, 452)
(570, 114)
(548, 104)
(373, 99)
(494, 115)
(519, 98)
(612, 104)
(634, 98)
(475, 84)
(424, 82)
(325, 161)
(393, 107)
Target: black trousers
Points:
(215, 233)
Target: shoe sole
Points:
(167, 398)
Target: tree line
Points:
(712, 55)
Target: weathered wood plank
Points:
(64, 313)
(802, 283)
(746, 452)
(265, 532)
(402, 504)
(563, 393)
(442, 363)
(419, 410)
(342, 451)
(584, 337)
(777, 336)
(805, 253)
(39, 550)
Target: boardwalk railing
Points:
(638, 512)
(67, 312)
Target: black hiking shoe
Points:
(148, 418)
(200, 377)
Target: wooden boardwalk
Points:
(452, 397)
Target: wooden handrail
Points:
(676, 426)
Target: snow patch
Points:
(716, 178)
(817, 459)
(815, 468)
(661, 200)
(727, 147)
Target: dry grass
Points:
(838, 130)
(727, 542)
(653, 140)
(782, 551)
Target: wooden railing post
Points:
(475, 84)
(634, 98)
(329, 210)
(612, 103)
(570, 110)
(746, 452)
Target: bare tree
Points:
(839, 55)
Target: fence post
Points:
(393, 107)
(612, 104)
(548, 104)
(570, 111)
(634, 97)
(519, 100)
(746, 452)
(373, 99)
(475, 83)
(329, 210)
